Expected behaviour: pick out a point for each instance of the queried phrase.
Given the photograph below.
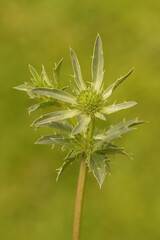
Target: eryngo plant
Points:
(82, 107)
(74, 125)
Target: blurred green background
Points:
(32, 205)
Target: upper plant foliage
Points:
(87, 103)
(44, 82)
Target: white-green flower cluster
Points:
(87, 103)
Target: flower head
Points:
(88, 102)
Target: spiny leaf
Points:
(74, 89)
(55, 116)
(43, 105)
(97, 64)
(112, 87)
(45, 140)
(64, 166)
(114, 108)
(61, 125)
(97, 164)
(80, 126)
(99, 145)
(25, 87)
(112, 151)
(77, 71)
(104, 147)
(35, 75)
(55, 93)
(66, 142)
(121, 79)
(50, 139)
(45, 79)
(117, 130)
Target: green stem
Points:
(80, 190)
(79, 200)
(91, 129)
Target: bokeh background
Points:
(32, 205)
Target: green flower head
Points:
(89, 101)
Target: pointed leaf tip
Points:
(97, 164)
(77, 71)
(35, 75)
(112, 87)
(99, 37)
(56, 73)
(114, 108)
(97, 64)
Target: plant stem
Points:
(80, 190)
(79, 200)
(91, 129)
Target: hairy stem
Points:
(80, 190)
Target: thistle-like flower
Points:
(87, 103)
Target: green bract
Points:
(81, 108)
